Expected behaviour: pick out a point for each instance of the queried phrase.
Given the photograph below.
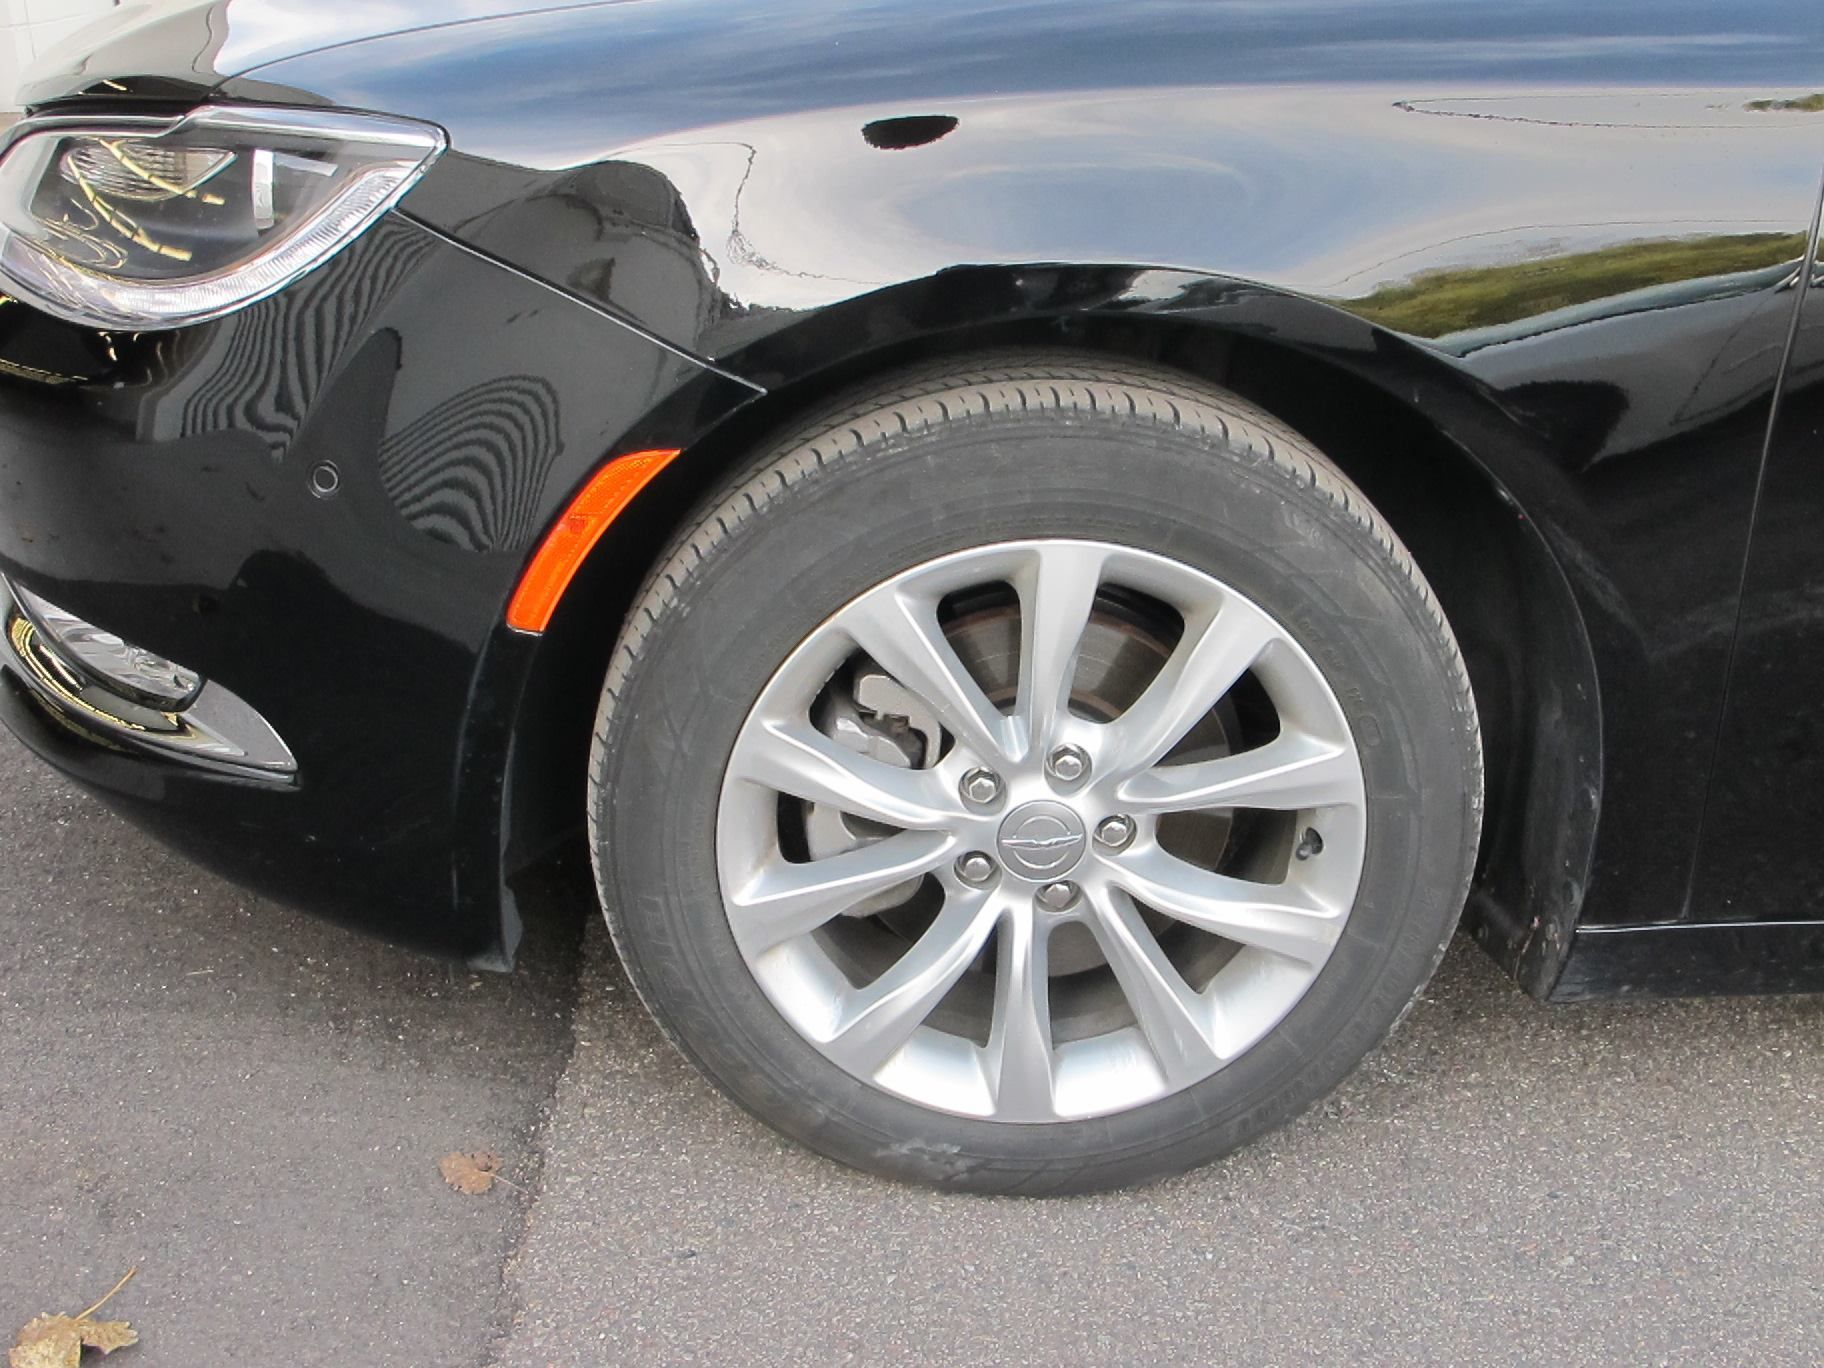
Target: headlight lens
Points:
(152, 223)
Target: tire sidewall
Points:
(826, 533)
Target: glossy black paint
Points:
(1553, 244)
(163, 481)
(183, 49)
(1759, 862)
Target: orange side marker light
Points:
(569, 543)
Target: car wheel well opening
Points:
(1519, 631)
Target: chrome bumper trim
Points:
(216, 731)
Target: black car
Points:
(1049, 550)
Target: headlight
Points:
(154, 223)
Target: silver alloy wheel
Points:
(909, 1024)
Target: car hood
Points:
(154, 49)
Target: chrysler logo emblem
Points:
(1041, 840)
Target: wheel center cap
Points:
(1042, 840)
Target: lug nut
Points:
(981, 788)
(1055, 897)
(1114, 833)
(1067, 764)
(975, 868)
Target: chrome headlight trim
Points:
(346, 170)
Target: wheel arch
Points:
(1463, 483)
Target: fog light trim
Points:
(212, 727)
(116, 664)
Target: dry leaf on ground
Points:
(58, 1341)
(473, 1172)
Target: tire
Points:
(1171, 483)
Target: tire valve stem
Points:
(1309, 844)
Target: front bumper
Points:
(320, 504)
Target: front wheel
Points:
(1034, 777)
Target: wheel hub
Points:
(1043, 840)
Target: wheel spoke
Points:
(998, 685)
(786, 900)
(1205, 665)
(801, 761)
(1288, 774)
(1271, 916)
(1056, 589)
(1178, 1024)
(901, 633)
(878, 1019)
(1020, 1064)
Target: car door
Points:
(1759, 857)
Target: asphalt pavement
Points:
(249, 1106)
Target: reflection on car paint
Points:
(1569, 234)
